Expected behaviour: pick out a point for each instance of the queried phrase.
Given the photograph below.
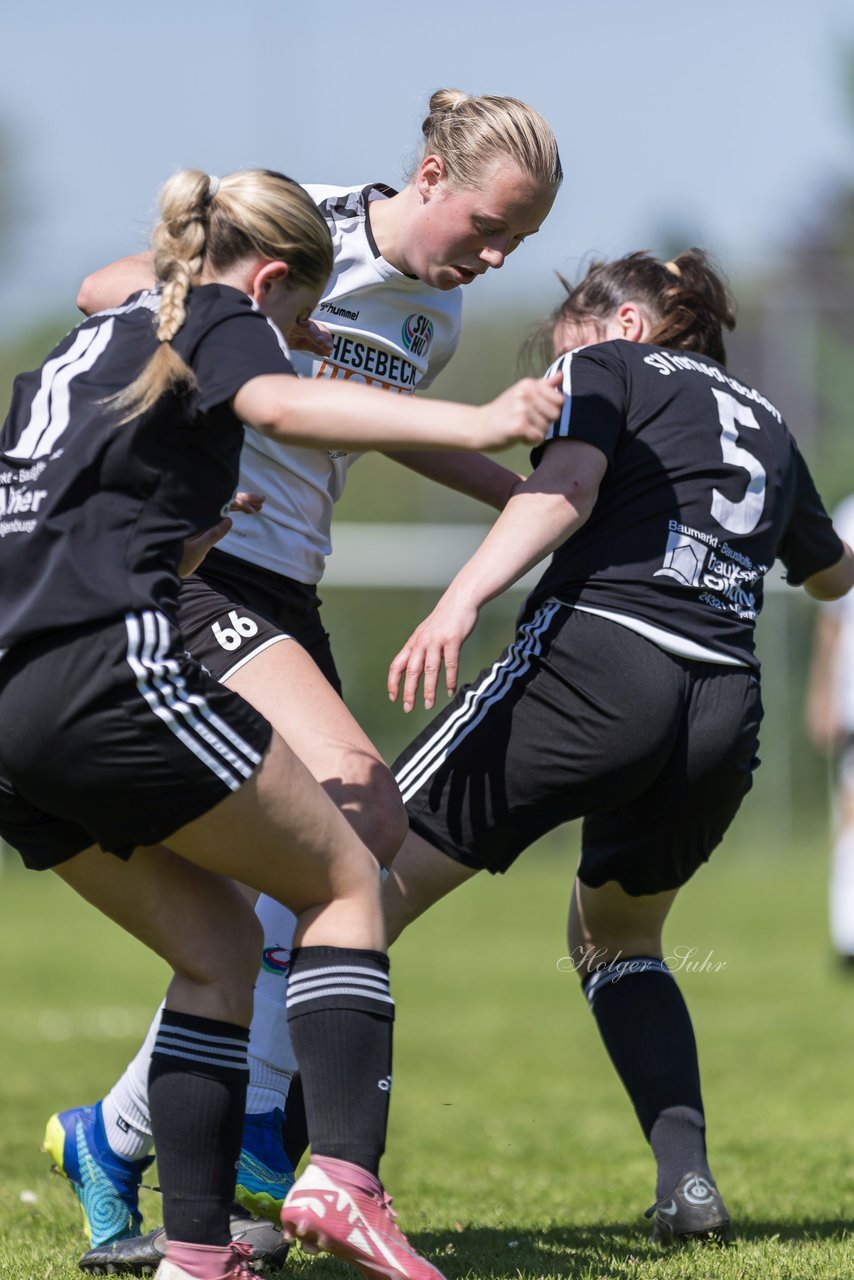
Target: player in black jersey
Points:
(139, 779)
(630, 696)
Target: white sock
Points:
(271, 1055)
(127, 1120)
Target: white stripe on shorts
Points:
(478, 700)
(186, 715)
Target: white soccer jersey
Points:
(843, 523)
(390, 331)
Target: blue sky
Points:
(726, 123)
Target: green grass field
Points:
(513, 1152)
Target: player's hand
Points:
(522, 414)
(247, 503)
(436, 642)
(198, 546)
(309, 336)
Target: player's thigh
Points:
(281, 834)
(262, 648)
(286, 686)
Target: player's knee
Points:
(390, 825)
(381, 822)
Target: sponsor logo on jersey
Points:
(17, 501)
(725, 576)
(417, 334)
(351, 358)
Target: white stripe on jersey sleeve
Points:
(559, 430)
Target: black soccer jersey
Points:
(93, 514)
(705, 488)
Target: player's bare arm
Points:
(342, 415)
(473, 475)
(544, 511)
(835, 581)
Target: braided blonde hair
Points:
(215, 223)
(472, 133)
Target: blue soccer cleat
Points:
(264, 1172)
(107, 1185)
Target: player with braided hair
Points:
(630, 696)
(150, 785)
(486, 178)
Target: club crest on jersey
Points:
(417, 334)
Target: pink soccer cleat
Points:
(341, 1209)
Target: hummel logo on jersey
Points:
(331, 309)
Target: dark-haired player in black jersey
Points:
(630, 696)
(138, 778)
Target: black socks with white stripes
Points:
(647, 1031)
(197, 1094)
(340, 1016)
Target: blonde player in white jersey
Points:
(487, 178)
(830, 725)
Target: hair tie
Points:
(672, 268)
(213, 188)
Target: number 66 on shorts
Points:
(231, 637)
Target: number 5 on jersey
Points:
(738, 517)
(232, 637)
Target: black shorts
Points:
(582, 718)
(112, 735)
(230, 610)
